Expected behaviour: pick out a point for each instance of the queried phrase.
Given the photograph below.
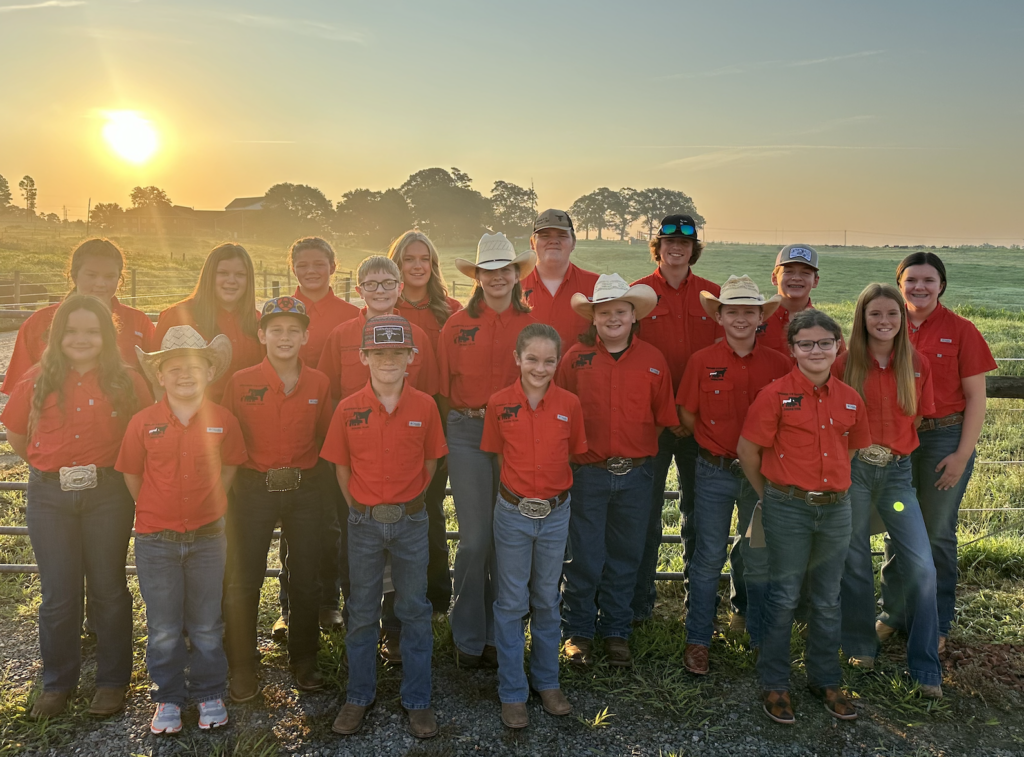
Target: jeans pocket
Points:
(418, 517)
(455, 418)
(647, 469)
(355, 518)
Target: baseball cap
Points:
(283, 306)
(678, 225)
(552, 218)
(797, 253)
(387, 332)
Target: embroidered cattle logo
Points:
(360, 418)
(158, 431)
(584, 360)
(255, 395)
(527, 293)
(718, 374)
(793, 402)
(762, 329)
(465, 336)
(509, 412)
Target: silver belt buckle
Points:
(876, 454)
(534, 508)
(386, 513)
(619, 466)
(283, 479)
(78, 477)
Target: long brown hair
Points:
(114, 379)
(103, 249)
(203, 300)
(518, 301)
(902, 359)
(437, 289)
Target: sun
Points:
(130, 135)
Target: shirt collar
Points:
(807, 385)
(521, 395)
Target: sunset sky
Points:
(896, 118)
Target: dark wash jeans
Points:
(76, 534)
(251, 518)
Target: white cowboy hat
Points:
(496, 251)
(739, 290)
(610, 287)
(185, 340)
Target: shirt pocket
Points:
(798, 433)
(51, 420)
(702, 326)
(843, 419)
(656, 327)
(944, 357)
(716, 399)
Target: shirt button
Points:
(79, 383)
(825, 480)
(387, 450)
(186, 475)
(823, 427)
(826, 454)
(76, 436)
(78, 409)
(387, 478)
(538, 467)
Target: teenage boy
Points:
(718, 386)
(179, 458)
(385, 441)
(549, 288)
(796, 445)
(678, 326)
(284, 408)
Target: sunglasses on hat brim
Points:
(685, 230)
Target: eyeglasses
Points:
(371, 286)
(671, 228)
(806, 345)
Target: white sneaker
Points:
(166, 719)
(212, 714)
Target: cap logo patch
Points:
(509, 412)
(359, 418)
(388, 335)
(800, 252)
(255, 395)
(584, 360)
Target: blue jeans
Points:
(881, 489)
(369, 544)
(684, 450)
(182, 585)
(474, 479)
(606, 533)
(715, 493)
(529, 554)
(76, 534)
(803, 541)
(941, 511)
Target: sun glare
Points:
(130, 135)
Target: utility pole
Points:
(88, 216)
(844, 237)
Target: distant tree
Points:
(106, 215)
(146, 197)
(52, 218)
(445, 206)
(622, 211)
(29, 192)
(587, 214)
(513, 207)
(374, 218)
(655, 203)
(296, 209)
(5, 193)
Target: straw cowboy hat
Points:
(610, 287)
(739, 290)
(185, 340)
(496, 251)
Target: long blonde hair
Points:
(437, 289)
(902, 360)
(204, 303)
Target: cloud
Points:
(119, 34)
(299, 26)
(723, 155)
(263, 142)
(771, 64)
(46, 4)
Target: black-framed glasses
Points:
(674, 228)
(806, 345)
(371, 286)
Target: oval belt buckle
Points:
(876, 454)
(534, 508)
(386, 513)
(619, 466)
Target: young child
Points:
(533, 427)
(179, 458)
(284, 408)
(797, 441)
(718, 385)
(385, 441)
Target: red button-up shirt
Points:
(84, 430)
(133, 328)
(475, 354)
(281, 430)
(624, 401)
(807, 432)
(718, 387)
(327, 313)
(180, 465)
(536, 444)
(555, 310)
(678, 325)
(385, 451)
(422, 316)
(955, 349)
(340, 360)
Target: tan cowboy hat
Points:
(739, 290)
(185, 340)
(496, 251)
(610, 287)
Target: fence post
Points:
(264, 283)
(347, 288)
(134, 287)
(17, 288)
(277, 288)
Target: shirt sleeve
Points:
(492, 440)
(28, 349)
(436, 446)
(227, 400)
(232, 448)
(19, 406)
(323, 414)
(688, 395)
(428, 379)
(330, 366)
(762, 423)
(335, 447)
(926, 388)
(664, 404)
(577, 431)
(132, 457)
(975, 356)
(147, 328)
(565, 377)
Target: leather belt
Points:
(620, 466)
(55, 475)
(815, 499)
(532, 507)
(470, 412)
(278, 479)
(210, 529)
(390, 513)
(930, 424)
(878, 455)
(730, 464)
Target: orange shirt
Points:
(536, 444)
(555, 310)
(955, 349)
(718, 387)
(246, 350)
(475, 354)
(340, 360)
(180, 465)
(325, 314)
(133, 328)
(84, 430)
(678, 325)
(624, 401)
(385, 451)
(807, 432)
(280, 430)
(774, 333)
(890, 426)
(422, 316)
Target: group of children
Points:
(556, 425)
